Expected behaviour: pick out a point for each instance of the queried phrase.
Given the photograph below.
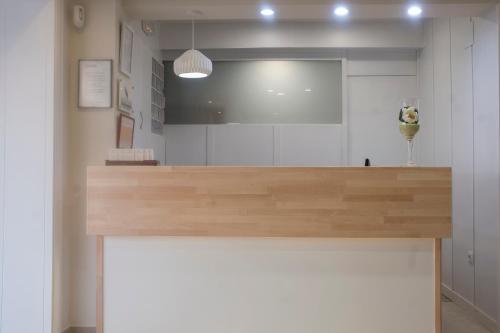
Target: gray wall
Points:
(258, 92)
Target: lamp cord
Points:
(192, 34)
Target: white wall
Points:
(377, 84)
(434, 80)
(458, 75)
(26, 164)
(88, 134)
(248, 35)
(60, 280)
(463, 156)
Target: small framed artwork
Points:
(126, 45)
(95, 84)
(125, 96)
(125, 132)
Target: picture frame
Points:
(125, 96)
(95, 83)
(125, 137)
(126, 46)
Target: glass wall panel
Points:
(257, 92)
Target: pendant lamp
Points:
(192, 64)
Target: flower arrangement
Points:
(409, 126)
(409, 122)
(408, 115)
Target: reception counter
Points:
(261, 249)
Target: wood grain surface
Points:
(269, 202)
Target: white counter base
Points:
(265, 285)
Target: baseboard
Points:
(80, 330)
(479, 315)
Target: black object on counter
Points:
(367, 162)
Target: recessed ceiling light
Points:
(267, 12)
(308, 90)
(415, 11)
(281, 94)
(341, 11)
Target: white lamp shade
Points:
(192, 64)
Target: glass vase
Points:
(409, 130)
(410, 159)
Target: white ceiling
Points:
(175, 10)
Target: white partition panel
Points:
(442, 122)
(186, 144)
(192, 285)
(309, 145)
(463, 156)
(486, 163)
(240, 145)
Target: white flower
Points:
(410, 116)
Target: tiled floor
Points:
(456, 320)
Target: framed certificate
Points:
(125, 96)
(125, 132)
(126, 45)
(95, 84)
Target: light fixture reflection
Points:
(415, 11)
(267, 12)
(341, 11)
(308, 90)
(194, 75)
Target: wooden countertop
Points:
(269, 201)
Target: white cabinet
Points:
(257, 145)
(308, 145)
(186, 144)
(240, 145)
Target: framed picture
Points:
(125, 90)
(95, 84)
(125, 132)
(126, 44)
